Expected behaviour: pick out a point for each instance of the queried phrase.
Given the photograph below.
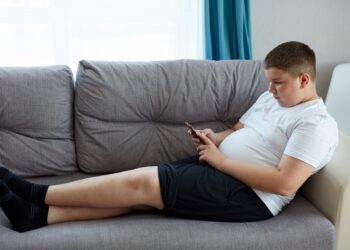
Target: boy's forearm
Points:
(223, 134)
(258, 177)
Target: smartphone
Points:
(193, 132)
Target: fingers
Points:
(195, 138)
(196, 141)
(190, 133)
(207, 132)
(201, 156)
(204, 138)
(201, 137)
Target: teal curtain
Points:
(227, 29)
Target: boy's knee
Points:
(142, 179)
(145, 184)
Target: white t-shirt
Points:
(305, 131)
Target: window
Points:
(45, 32)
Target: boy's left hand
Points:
(209, 152)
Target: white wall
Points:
(322, 24)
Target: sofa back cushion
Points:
(132, 114)
(36, 120)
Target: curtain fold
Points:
(227, 29)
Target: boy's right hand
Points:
(208, 132)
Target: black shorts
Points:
(192, 189)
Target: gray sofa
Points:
(123, 115)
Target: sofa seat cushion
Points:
(299, 226)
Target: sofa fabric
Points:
(132, 114)
(36, 120)
(329, 191)
(300, 226)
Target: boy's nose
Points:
(272, 88)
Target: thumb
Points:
(204, 138)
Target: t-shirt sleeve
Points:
(313, 142)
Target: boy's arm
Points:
(284, 180)
(223, 134)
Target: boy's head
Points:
(291, 69)
(294, 58)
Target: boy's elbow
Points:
(286, 190)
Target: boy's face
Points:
(284, 87)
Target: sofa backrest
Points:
(36, 120)
(132, 114)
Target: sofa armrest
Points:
(329, 191)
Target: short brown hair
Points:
(293, 57)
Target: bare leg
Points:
(121, 190)
(59, 214)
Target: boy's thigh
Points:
(199, 191)
(146, 180)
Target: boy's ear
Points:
(304, 79)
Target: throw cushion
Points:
(36, 120)
(132, 114)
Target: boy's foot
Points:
(23, 215)
(31, 192)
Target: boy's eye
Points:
(277, 82)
